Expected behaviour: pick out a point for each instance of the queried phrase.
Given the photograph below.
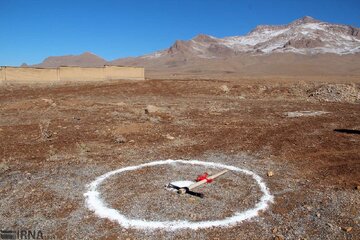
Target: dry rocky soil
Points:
(55, 140)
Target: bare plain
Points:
(304, 130)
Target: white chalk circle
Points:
(95, 203)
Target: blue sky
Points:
(31, 30)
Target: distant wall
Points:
(1, 75)
(123, 72)
(66, 74)
(14, 74)
(81, 74)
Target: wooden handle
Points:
(218, 174)
(194, 185)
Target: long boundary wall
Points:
(69, 74)
(1, 75)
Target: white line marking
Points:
(95, 203)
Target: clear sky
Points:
(31, 30)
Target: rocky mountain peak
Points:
(88, 54)
(179, 46)
(86, 59)
(304, 20)
(204, 38)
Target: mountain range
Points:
(318, 46)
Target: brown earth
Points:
(250, 65)
(57, 139)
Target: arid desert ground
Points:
(301, 135)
